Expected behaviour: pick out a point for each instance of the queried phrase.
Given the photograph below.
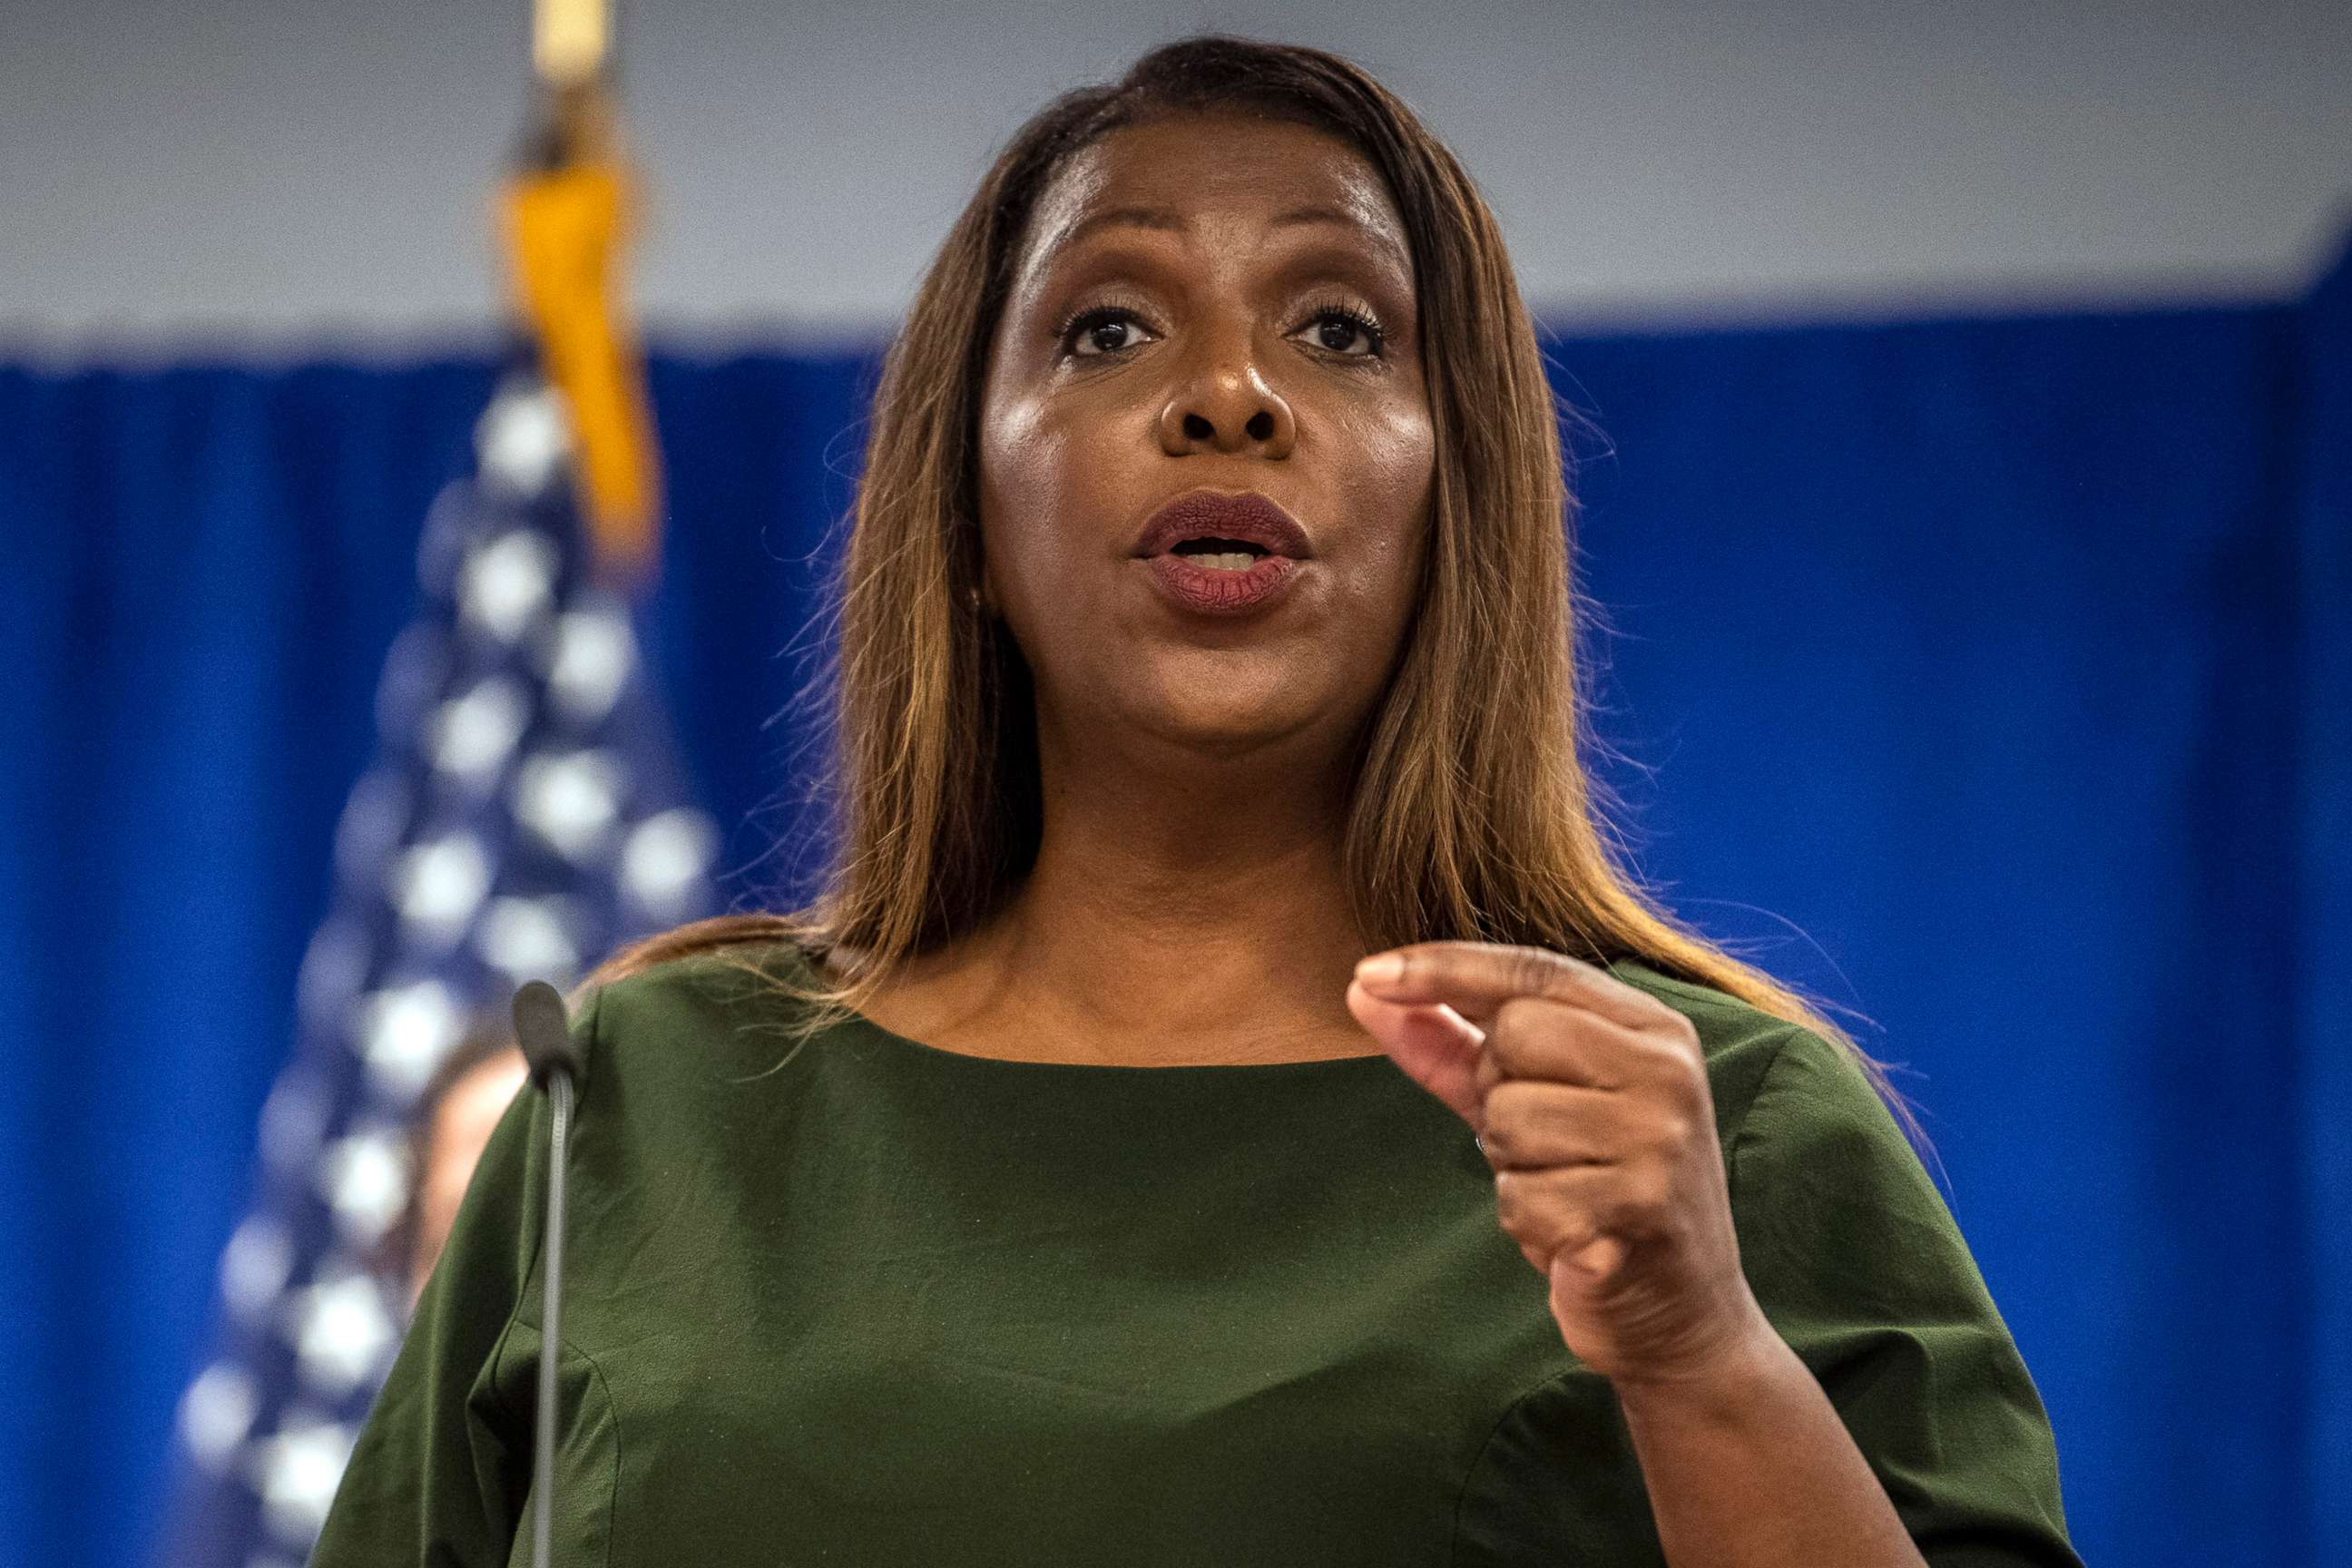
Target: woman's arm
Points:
(1751, 1468)
(1808, 1363)
(1885, 1415)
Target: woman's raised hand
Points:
(1591, 1100)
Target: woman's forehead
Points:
(1183, 173)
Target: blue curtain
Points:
(1991, 678)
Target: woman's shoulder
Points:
(1722, 1018)
(716, 1006)
(708, 972)
(1742, 1043)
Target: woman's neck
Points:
(1157, 926)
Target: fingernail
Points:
(1381, 969)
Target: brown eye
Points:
(1337, 328)
(1108, 337)
(1094, 334)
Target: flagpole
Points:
(570, 39)
(572, 117)
(567, 212)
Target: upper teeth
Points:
(1229, 560)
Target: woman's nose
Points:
(1227, 407)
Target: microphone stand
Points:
(543, 1031)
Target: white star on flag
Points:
(342, 1331)
(298, 1469)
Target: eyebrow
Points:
(1173, 223)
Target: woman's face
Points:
(1220, 303)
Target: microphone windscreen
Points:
(544, 1032)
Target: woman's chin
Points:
(1229, 722)
(1216, 703)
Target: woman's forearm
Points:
(1751, 1468)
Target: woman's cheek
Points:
(1021, 475)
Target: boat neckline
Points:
(907, 1046)
(918, 1047)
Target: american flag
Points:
(524, 816)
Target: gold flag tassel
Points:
(565, 216)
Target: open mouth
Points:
(1220, 554)
(1212, 554)
(1202, 524)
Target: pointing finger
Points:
(1475, 978)
(1436, 1049)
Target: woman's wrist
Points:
(1744, 1365)
(1747, 1465)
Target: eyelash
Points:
(1095, 315)
(1360, 320)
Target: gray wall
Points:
(295, 174)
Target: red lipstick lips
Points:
(1247, 518)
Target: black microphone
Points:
(544, 1032)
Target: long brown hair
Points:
(1472, 814)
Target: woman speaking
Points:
(1226, 1106)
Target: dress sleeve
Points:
(1854, 1257)
(441, 1473)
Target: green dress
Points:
(872, 1301)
